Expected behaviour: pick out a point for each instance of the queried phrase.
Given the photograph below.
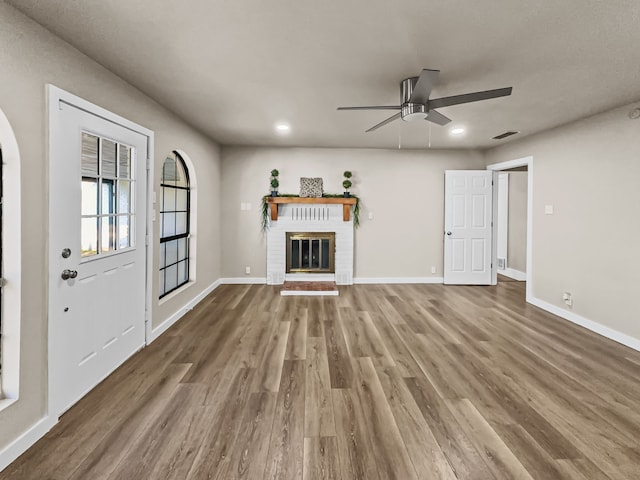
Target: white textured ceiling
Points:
(234, 68)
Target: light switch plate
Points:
(548, 209)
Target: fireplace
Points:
(322, 222)
(310, 252)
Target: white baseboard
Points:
(515, 274)
(26, 440)
(595, 327)
(362, 280)
(243, 281)
(160, 329)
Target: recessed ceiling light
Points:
(457, 131)
(283, 128)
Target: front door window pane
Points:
(108, 197)
(89, 158)
(124, 162)
(89, 236)
(124, 235)
(89, 196)
(124, 196)
(108, 234)
(109, 155)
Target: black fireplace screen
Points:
(310, 252)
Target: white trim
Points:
(193, 213)
(595, 327)
(243, 281)
(515, 274)
(394, 280)
(148, 309)
(11, 263)
(502, 217)
(520, 162)
(164, 326)
(309, 293)
(29, 437)
(178, 291)
(509, 164)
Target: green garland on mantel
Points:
(265, 208)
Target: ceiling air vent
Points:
(505, 135)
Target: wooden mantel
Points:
(346, 203)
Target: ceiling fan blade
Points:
(423, 86)
(437, 117)
(384, 122)
(469, 97)
(377, 107)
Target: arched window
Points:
(1, 279)
(175, 213)
(10, 265)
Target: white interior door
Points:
(97, 250)
(467, 221)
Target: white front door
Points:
(467, 223)
(97, 216)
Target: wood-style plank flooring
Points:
(383, 382)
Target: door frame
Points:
(497, 168)
(55, 96)
(502, 232)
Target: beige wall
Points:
(517, 235)
(404, 190)
(589, 172)
(30, 58)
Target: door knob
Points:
(448, 233)
(67, 274)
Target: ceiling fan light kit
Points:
(416, 105)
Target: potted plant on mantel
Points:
(275, 183)
(346, 183)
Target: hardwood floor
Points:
(383, 382)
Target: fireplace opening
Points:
(311, 252)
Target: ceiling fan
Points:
(416, 105)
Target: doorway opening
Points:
(512, 212)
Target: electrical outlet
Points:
(434, 269)
(568, 299)
(370, 216)
(247, 270)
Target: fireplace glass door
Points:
(310, 252)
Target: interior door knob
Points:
(448, 233)
(67, 274)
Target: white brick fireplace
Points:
(318, 217)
